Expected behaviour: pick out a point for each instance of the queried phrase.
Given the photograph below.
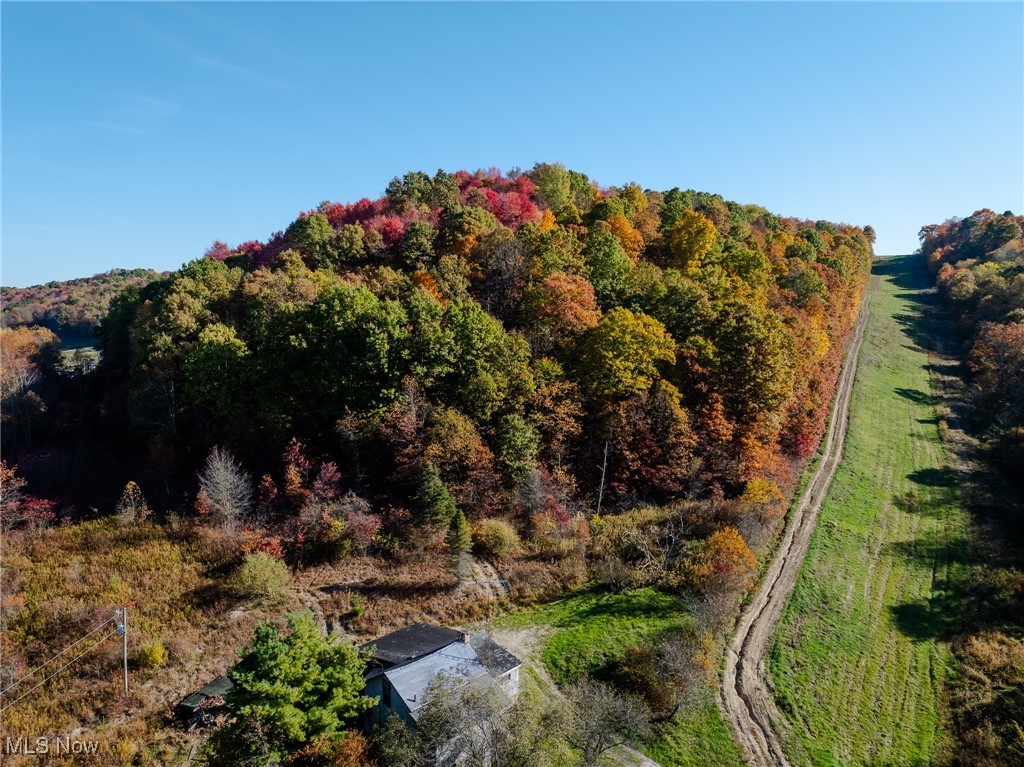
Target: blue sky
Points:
(136, 134)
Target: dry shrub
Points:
(610, 570)
(496, 538)
(152, 655)
(997, 655)
(987, 714)
(717, 609)
(261, 576)
(343, 602)
(536, 580)
(179, 649)
(982, 746)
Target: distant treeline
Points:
(978, 263)
(72, 308)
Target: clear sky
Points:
(136, 134)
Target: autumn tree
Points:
(631, 240)
(565, 308)
(12, 489)
(724, 562)
(25, 354)
(652, 443)
(997, 361)
(690, 239)
(620, 357)
(454, 446)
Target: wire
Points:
(51, 676)
(51, 660)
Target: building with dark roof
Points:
(405, 662)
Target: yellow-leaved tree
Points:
(690, 239)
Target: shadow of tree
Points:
(933, 477)
(916, 395)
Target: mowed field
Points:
(858, 665)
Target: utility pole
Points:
(122, 629)
(604, 468)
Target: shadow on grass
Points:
(934, 506)
(931, 550)
(910, 274)
(943, 477)
(916, 395)
(968, 594)
(920, 621)
(902, 271)
(645, 605)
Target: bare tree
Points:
(686, 660)
(602, 718)
(657, 548)
(507, 268)
(473, 724)
(225, 489)
(132, 507)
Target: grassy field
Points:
(586, 630)
(859, 660)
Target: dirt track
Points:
(745, 697)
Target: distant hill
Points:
(72, 308)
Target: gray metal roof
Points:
(458, 661)
(412, 642)
(495, 658)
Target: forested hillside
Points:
(498, 333)
(575, 383)
(72, 308)
(978, 263)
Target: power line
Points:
(51, 660)
(51, 676)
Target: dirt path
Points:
(745, 697)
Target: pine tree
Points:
(437, 506)
(290, 689)
(459, 538)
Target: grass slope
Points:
(858, 663)
(588, 629)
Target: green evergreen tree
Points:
(459, 538)
(437, 506)
(516, 448)
(295, 688)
